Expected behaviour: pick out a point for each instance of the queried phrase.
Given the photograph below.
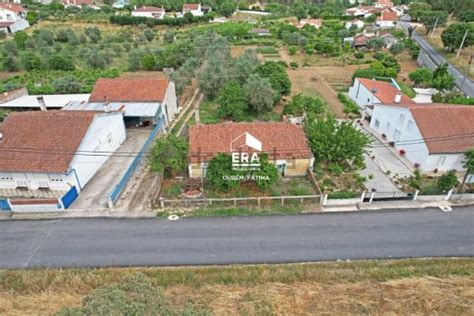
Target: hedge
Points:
(137, 20)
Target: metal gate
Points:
(4, 205)
(388, 196)
(69, 197)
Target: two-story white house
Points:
(56, 150)
(434, 137)
(194, 8)
(12, 18)
(367, 92)
(149, 12)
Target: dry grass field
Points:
(424, 286)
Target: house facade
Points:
(434, 137)
(388, 19)
(366, 93)
(382, 4)
(194, 8)
(284, 143)
(149, 12)
(12, 18)
(142, 101)
(355, 23)
(316, 23)
(56, 150)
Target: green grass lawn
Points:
(407, 90)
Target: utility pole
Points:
(434, 27)
(462, 43)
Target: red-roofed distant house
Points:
(367, 92)
(284, 143)
(434, 137)
(12, 17)
(149, 12)
(194, 8)
(142, 101)
(382, 4)
(316, 23)
(56, 150)
(387, 19)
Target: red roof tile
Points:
(283, 140)
(388, 16)
(149, 9)
(190, 6)
(445, 128)
(385, 91)
(129, 90)
(42, 142)
(12, 7)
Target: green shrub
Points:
(447, 181)
(359, 55)
(343, 195)
(293, 64)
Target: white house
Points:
(193, 8)
(56, 150)
(79, 3)
(316, 23)
(387, 19)
(149, 12)
(12, 17)
(434, 137)
(366, 93)
(358, 23)
(382, 4)
(143, 101)
(360, 11)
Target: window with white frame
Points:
(377, 124)
(402, 118)
(388, 126)
(441, 160)
(409, 124)
(396, 135)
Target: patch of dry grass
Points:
(443, 286)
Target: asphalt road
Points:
(272, 239)
(467, 87)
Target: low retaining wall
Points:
(334, 202)
(35, 205)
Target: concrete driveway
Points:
(96, 192)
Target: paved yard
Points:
(96, 192)
(385, 160)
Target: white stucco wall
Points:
(388, 120)
(106, 134)
(171, 102)
(105, 127)
(386, 24)
(361, 95)
(154, 15)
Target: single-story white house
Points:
(149, 12)
(143, 100)
(80, 3)
(56, 150)
(194, 8)
(388, 19)
(367, 92)
(12, 17)
(358, 23)
(434, 137)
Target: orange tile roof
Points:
(148, 8)
(190, 6)
(388, 16)
(129, 90)
(385, 91)
(445, 128)
(42, 142)
(279, 140)
(12, 7)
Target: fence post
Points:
(302, 201)
(362, 197)
(372, 194)
(210, 201)
(258, 201)
(110, 203)
(162, 202)
(282, 200)
(448, 196)
(416, 195)
(235, 202)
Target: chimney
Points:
(41, 103)
(106, 107)
(1, 137)
(397, 98)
